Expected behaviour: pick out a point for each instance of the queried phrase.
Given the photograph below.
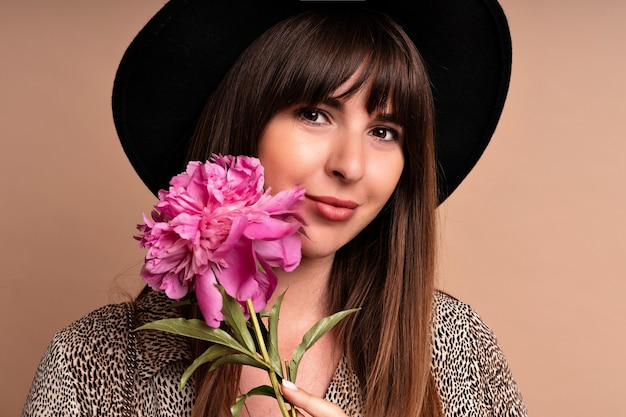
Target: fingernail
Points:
(289, 385)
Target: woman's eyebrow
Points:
(387, 117)
(333, 102)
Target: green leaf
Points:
(212, 353)
(241, 359)
(236, 321)
(318, 330)
(262, 390)
(273, 336)
(254, 334)
(236, 408)
(197, 329)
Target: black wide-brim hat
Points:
(183, 52)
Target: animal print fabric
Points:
(86, 369)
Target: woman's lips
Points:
(333, 208)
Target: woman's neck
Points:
(305, 290)
(304, 303)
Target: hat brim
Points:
(182, 53)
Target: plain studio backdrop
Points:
(534, 239)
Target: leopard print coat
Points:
(97, 367)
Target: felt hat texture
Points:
(183, 52)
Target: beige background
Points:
(534, 239)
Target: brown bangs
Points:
(324, 53)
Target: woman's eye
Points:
(313, 115)
(385, 134)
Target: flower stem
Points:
(266, 358)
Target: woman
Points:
(338, 100)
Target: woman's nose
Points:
(347, 157)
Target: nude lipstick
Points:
(333, 208)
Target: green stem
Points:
(293, 410)
(266, 358)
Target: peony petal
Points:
(285, 253)
(283, 202)
(267, 285)
(238, 276)
(162, 258)
(270, 228)
(187, 226)
(209, 299)
(237, 228)
(153, 280)
(173, 287)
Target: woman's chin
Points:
(317, 250)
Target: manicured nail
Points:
(289, 385)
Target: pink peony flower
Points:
(217, 225)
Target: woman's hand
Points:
(313, 406)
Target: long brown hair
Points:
(388, 269)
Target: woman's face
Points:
(348, 161)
